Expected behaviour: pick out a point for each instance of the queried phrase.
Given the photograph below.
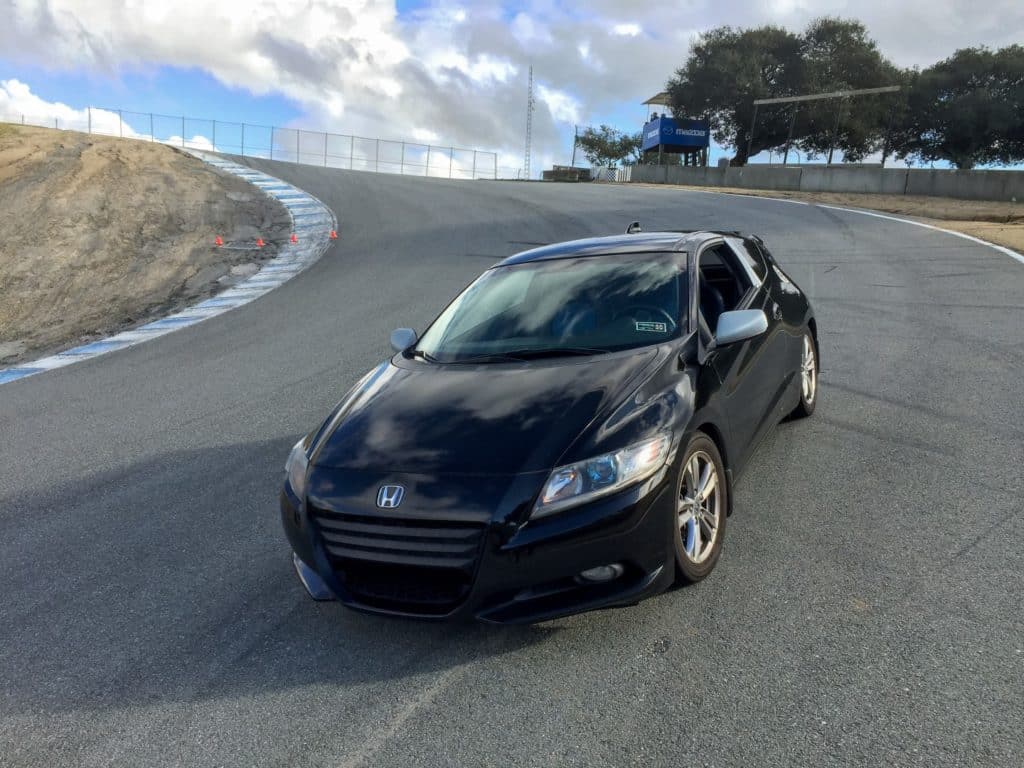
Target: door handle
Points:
(776, 311)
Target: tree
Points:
(728, 69)
(838, 55)
(967, 110)
(606, 146)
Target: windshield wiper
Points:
(533, 354)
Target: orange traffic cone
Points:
(295, 238)
(259, 242)
(218, 241)
(334, 235)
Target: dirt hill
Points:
(98, 234)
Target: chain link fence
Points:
(293, 145)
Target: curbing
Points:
(312, 221)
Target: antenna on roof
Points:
(633, 228)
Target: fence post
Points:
(152, 136)
(401, 168)
(243, 140)
(214, 137)
(120, 124)
(89, 110)
(183, 130)
(474, 165)
(428, 161)
(351, 150)
(376, 158)
(297, 134)
(495, 166)
(325, 148)
(272, 129)
(55, 123)
(451, 159)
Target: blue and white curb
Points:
(312, 222)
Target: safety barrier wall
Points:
(966, 185)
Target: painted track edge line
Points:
(291, 259)
(1001, 248)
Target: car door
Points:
(748, 371)
(782, 343)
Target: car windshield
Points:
(561, 307)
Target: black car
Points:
(565, 436)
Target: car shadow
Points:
(170, 579)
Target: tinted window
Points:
(723, 282)
(750, 256)
(602, 303)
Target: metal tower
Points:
(529, 127)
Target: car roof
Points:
(641, 242)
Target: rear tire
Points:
(702, 504)
(808, 374)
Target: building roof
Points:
(661, 99)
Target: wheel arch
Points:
(715, 435)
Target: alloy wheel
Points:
(700, 507)
(809, 371)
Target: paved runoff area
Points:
(868, 608)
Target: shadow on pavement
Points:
(171, 580)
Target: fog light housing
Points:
(600, 574)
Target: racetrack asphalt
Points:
(867, 609)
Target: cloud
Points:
(455, 70)
(562, 106)
(19, 105)
(629, 30)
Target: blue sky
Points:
(438, 71)
(166, 90)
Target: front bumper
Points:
(491, 571)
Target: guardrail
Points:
(330, 150)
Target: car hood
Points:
(417, 417)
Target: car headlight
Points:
(587, 480)
(296, 467)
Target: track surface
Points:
(867, 610)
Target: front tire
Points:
(808, 378)
(702, 503)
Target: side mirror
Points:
(740, 325)
(402, 339)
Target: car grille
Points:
(410, 564)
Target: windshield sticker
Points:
(647, 325)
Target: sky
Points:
(438, 71)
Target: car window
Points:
(502, 296)
(601, 303)
(750, 256)
(722, 283)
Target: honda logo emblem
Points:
(390, 496)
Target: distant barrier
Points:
(331, 150)
(965, 185)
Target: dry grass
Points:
(101, 233)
